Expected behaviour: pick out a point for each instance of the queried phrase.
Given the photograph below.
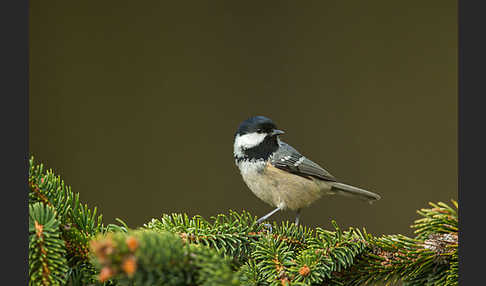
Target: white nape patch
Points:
(247, 141)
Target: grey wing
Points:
(290, 160)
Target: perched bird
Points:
(278, 174)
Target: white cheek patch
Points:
(247, 141)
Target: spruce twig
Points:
(69, 244)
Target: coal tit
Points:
(278, 174)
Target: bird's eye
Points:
(259, 130)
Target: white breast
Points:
(277, 187)
(252, 172)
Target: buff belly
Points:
(282, 189)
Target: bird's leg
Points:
(268, 215)
(268, 225)
(297, 217)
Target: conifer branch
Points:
(69, 245)
(76, 223)
(47, 262)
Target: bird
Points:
(281, 176)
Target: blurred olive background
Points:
(135, 104)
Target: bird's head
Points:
(256, 137)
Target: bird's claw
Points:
(268, 226)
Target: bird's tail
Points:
(347, 190)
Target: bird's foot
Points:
(268, 226)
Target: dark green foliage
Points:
(80, 273)
(428, 259)
(76, 223)
(297, 255)
(211, 268)
(69, 245)
(47, 261)
(301, 256)
(146, 257)
(273, 258)
(250, 273)
(230, 235)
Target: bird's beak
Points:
(276, 132)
